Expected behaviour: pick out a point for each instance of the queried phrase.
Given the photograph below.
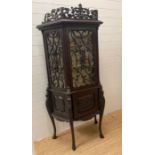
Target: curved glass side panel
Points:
(55, 57)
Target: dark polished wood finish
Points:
(74, 91)
(95, 120)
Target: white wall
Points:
(109, 55)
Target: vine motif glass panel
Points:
(55, 56)
(82, 57)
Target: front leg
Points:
(100, 125)
(54, 127)
(73, 136)
(102, 105)
(69, 104)
(50, 110)
(95, 120)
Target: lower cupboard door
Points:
(85, 103)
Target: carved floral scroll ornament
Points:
(71, 13)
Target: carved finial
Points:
(80, 5)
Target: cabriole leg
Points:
(50, 109)
(54, 127)
(102, 105)
(95, 120)
(100, 125)
(73, 136)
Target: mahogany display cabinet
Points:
(74, 92)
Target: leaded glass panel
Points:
(55, 56)
(82, 57)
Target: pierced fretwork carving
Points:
(82, 57)
(71, 13)
(55, 56)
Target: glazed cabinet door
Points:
(83, 55)
(54, 55)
